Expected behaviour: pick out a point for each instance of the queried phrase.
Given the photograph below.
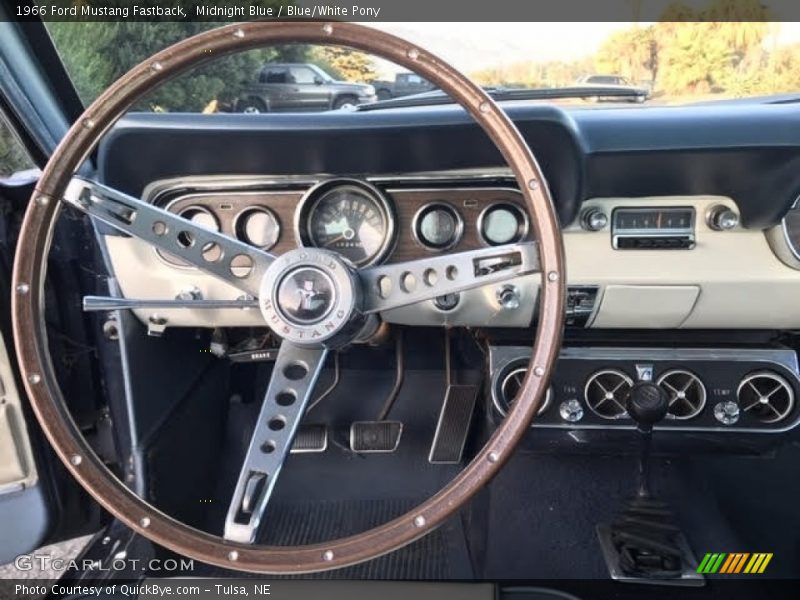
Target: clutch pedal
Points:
(454, 419)
(310, 438)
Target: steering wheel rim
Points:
(30, 272)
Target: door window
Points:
(13, 156)
(302, 75)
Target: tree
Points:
(632, 53)
(344, 63)
(97, 53)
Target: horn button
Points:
(311, 297)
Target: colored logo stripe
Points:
(735, 562)
(758, 563)
(711, 562)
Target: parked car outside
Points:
(404, 84)
(613, 82)
(300, 87)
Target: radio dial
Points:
(594, 219)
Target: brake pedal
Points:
(375, 436)
(453, 426)
(310, 438)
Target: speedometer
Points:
(351, 218)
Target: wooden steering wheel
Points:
(347, 296)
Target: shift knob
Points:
(647, 404)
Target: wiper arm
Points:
(438, 97)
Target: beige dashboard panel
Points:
(735, 278)
(646, 306)
(743, 284)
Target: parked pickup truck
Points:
(404, 84)
(300, 87)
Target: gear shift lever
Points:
(647, 405)
(644, 542)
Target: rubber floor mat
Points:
(439, 555)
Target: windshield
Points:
(605, 64)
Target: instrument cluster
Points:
(365, 222)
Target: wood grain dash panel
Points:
(468, 202)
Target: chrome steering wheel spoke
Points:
(395, 285)
(235, 262)
(293, 377)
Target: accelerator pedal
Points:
(453, 426)
(375, 436)
(310, 438)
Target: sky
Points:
(474, 46)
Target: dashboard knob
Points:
(189, 294)
(594, 219)
(571, 411)
(722, 218)
(726, 413)
(508, 297)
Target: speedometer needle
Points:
(334, 240)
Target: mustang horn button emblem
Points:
(306, 295)
(310, 296)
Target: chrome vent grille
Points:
(606, 393)
(765, 396)
(509, 388)
(687, 394)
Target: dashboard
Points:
(672, 217)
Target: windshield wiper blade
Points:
(501, 94)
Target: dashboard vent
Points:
(607, 392)
(510, 385)
(687, 394)
(765, 396)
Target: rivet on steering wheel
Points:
(533, 184)
(42, 200)
(23, 288)
(144, 522)
(88, 124)
(233, 555)
(552, 276)
(157, 66)
(34, 378)
(493, 456)
(538, 371)
(76, 459)
(238, 33)
(327, 555)
(419, 521)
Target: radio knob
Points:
(594, 219)
(722, 218)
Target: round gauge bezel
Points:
(175, 261)
(523, 223)
(311, 199)
(416, 222)
(238, 226)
